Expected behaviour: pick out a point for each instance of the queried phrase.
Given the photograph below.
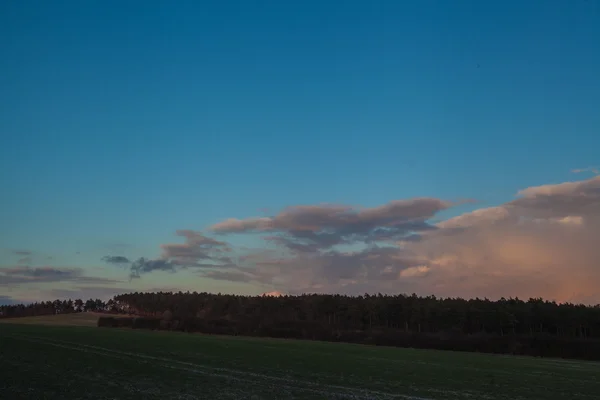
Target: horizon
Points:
(279, 294)
(423, 147)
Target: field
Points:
(76, 319)
(83, 362)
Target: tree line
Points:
(54, 307)
(534, 327)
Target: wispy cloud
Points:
(198, 251)
(24, 261)
(24, 274)
(116, 260)
(310, 228)
(593, 170)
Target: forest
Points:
(513, 326)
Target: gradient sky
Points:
(124, 123)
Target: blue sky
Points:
(123, 123)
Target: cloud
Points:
(311, 228)
(593, 170)
(541, 243)
(40, 272)
(142, 266)
(420, 270)
(233, 276)
(558, 200)
(116, 260)
(333, 270)
(309, 233)
(331, 246)
(481, 216)
(569, 220)
(24, 261)
(198, 251)
(22, 252)
(22, 274)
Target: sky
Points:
(434, 147)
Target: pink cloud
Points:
(543, 243)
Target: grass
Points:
(82, 362)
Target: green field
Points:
(78, 362)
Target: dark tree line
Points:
(533, 327)
(404, 313)
(53, 307)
